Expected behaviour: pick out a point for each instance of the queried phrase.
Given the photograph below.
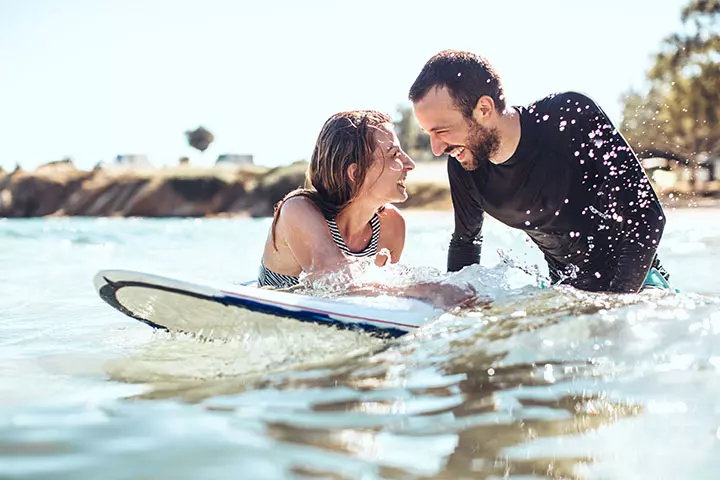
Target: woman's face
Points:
(385, 179)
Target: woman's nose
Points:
(409, 163)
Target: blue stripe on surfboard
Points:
(294, 308)
(108, 293)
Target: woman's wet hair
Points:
(346, 138)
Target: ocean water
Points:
(543, 383)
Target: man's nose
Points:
(437, 146)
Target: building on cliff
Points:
(672, 174)
(131, 161)
(234, 160)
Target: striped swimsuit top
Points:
(268, 278)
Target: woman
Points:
(357, 170)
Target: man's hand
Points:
(445, 296)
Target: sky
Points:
(90, 79)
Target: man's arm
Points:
(631, 200)
(466, 241)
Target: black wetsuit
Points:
(575, 187)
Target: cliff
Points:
(59, 189)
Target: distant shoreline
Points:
(59, 189)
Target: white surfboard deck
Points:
(216, 310)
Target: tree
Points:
(412, 137)
(200, 138)
(679, 117)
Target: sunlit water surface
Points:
(543, 383)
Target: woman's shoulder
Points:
(299, 205)
(390, 211)
(298, 211)
(391, 218)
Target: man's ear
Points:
(352, 171)
(484, 108)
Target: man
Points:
(556, 169)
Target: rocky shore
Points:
(60, 189)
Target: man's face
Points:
(452, 133)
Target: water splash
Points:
(531, 269)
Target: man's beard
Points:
(482, 142)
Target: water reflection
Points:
(524, 386)
(463, 422)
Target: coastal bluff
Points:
(60, 189)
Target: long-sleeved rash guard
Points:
(575, 187)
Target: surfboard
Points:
(218, 309)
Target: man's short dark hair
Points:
(467, 77)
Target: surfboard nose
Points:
(99, 280)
